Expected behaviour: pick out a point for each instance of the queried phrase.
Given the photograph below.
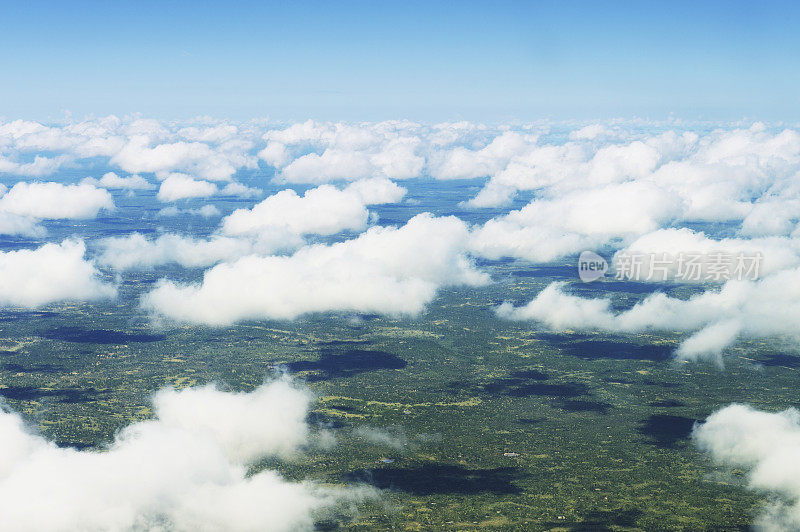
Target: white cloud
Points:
(193, 157)
(277, 224)
(764, 308)
(275, 154)
(135, 251)
(493, 194)
(238, 189)
(719, 175)
(332, 165)
(185, 469)
(397, 159)
(777, 253)
(589, 195)
(767, 446)
(376, 191)
(386, 270)
(572, 166)
(324, 210)
(209, 151)
(320, 153)
(55, 201)
(590, 132)
(40, 166)
(547, 229)
(561, 311)
(772, 217)
(463, 163)
(181, 186)
(51, 273)
(710, 341)
(723, 175)
(114, 181)
(603, 184)
(13, 224)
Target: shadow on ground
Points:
(430, 479)
(334, 364)
(781, 360)
(665, 430)
(32, 368)
(591, 348)
(27, 315)
(569, 396)
(62, 395)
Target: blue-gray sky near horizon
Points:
(425, 61)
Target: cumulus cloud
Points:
(763, 308)
(181, 186)
(332, 165)
(376, 191)
(39, 167)
(55, 201)
(590, 132)
(386, 269)
(12, 224)
(591, 192)
(624, 185)
(634, 189)
(318, 153)
(769, 217)
(774, 253)
(277, 224)
(138, 155)
(463, 163)
(184, 469)
(560, 310)
(51, 273)
(240, 190)
(324, 210)
(114, 181)
(212, 151)
(717, 176)
(559, 168)
(547, 229)
(767, 446)
(135, 251)
(23, 207)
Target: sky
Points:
(426, 61)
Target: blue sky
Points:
(429, 61)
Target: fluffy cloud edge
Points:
(185, 468)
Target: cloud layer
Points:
(633, 186)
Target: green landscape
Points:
(485, 423)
